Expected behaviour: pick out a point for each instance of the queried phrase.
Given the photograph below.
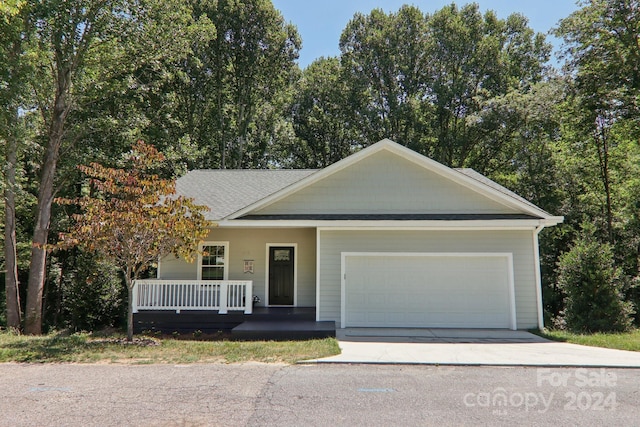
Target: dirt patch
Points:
(137, 341)
(217, 336)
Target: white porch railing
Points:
(221, 295)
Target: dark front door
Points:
(281, 275)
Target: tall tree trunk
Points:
(37, 269)
(603, 158)
(12, 289)
(129, 282)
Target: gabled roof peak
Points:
(484, 186)
(233, 193)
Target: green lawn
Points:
(85, 348)
(621, 341)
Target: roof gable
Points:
(384, 183)
(388, 178)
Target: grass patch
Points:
(85, 348)
(620, 341)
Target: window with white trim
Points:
(213, 260)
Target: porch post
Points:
(134, 303)
(223, 297)
(248, 298)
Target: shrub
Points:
(86, 294)
(589, 279)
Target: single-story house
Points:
(383, 238)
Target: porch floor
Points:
(272, 323)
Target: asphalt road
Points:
(320, 395)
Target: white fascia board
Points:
(552, 220)
(522, 224)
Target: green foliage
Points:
(320, 114)
(596, 157)
(132, 217)
(594, 300)
(220, 105)
(210, 82)
(252, 60)
(84, 293)
(386, 68)
(629, 341)
(601, 46)
(129, 90)
(425, 81)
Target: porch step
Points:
(282, 314)
(283, 330)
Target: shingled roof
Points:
(227, 191)
(237, 193)
(483, 179)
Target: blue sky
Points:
(320, 22)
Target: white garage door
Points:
(428, 290)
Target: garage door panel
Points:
(427, 291)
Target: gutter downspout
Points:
(536, 260)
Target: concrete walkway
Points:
(469, 347)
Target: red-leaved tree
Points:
(131, 217)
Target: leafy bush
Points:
(87, 295)
(593, 289)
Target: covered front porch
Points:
(178, 295)
(219, 306)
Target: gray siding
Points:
(385, 183)
(173, 268)
(250, 244)
(519, 243)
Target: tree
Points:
(602, 128)
(423, 80)
(209, 109)
(320, 119)
(77, 47)
(254, 54)
(520, 150)
(587, 275)
(66, 33)
(386, 67)
(14, 72)
(602, 50)
(473, 59)
(131, 217)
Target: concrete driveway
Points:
(488, 347)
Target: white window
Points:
(213, 260)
